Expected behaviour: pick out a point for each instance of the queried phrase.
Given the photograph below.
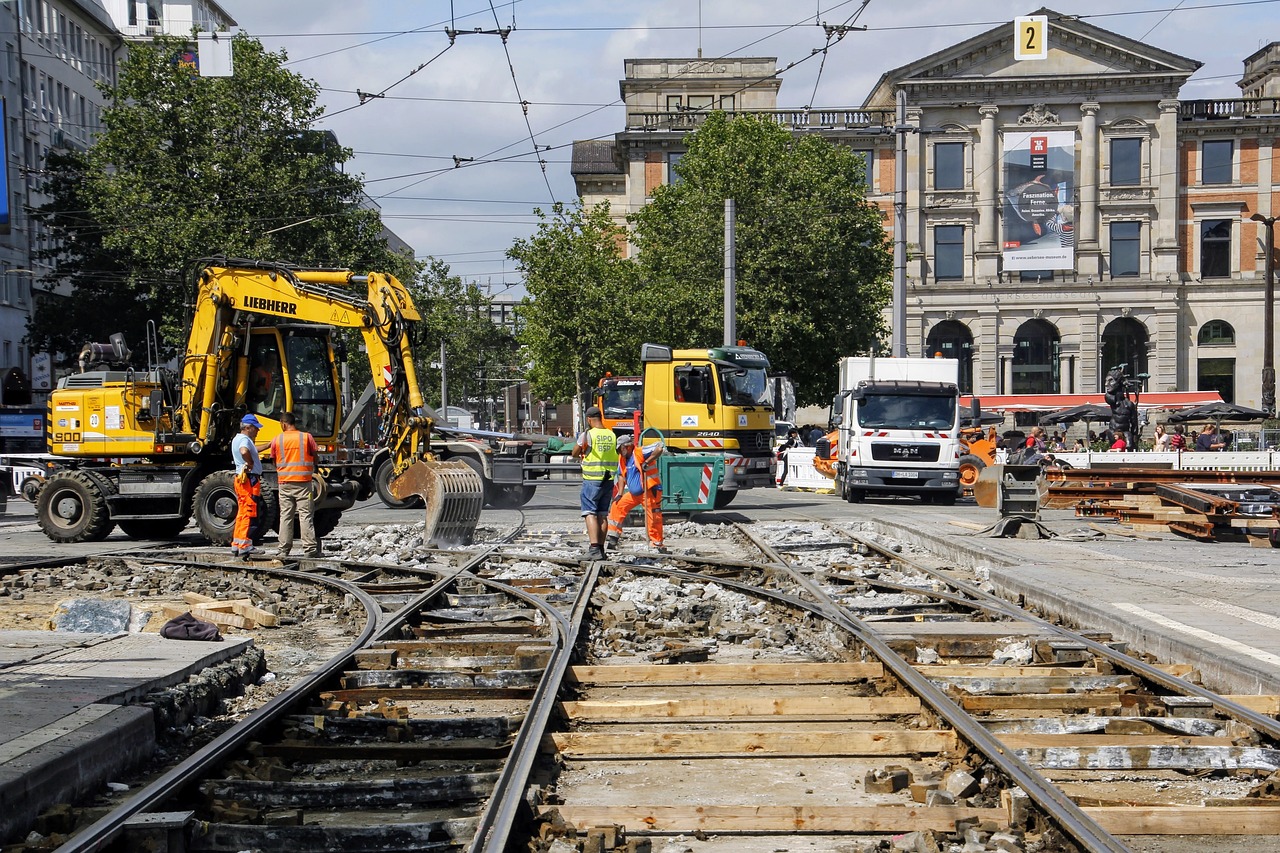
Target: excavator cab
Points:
(292, 368)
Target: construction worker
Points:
(294, 452)
(248, 486)
(597, 447)
(638, 483)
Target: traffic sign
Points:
(1031, 37)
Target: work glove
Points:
(242, 476)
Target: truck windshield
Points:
(315, 399)
(745, 386)
(619, 401)
(902, 411)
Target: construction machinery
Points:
(714, 402)
(619, 398)
(147, 451)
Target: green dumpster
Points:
(689, 480)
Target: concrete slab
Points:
(66, 725)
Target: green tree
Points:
(812, 259)
(191, 167)
(576, 323)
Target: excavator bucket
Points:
(454, 495)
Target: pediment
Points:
(1076, 50)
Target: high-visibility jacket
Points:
(295, 455)
(646, 465)
(602, 454)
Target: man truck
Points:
(899, 423)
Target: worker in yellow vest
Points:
(597, 447)
(294, 452)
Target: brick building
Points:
(1138, 248)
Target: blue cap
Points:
(250, 420)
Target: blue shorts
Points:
(596, 497)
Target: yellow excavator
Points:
(148, 450)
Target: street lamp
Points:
(1268, 320)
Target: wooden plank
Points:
(790, 819)
(1262, 704)
(1092, 741)
(735, 744)
(1042, 684)
(980, 671)
(1186, 820)
(428, 694)
(1114, 758)
(757, 673)
(264, 618)
(808, 707)
(1042, 702)
(227, 620)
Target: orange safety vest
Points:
(648, 469)
(295, 457)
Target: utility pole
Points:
(898, 339)
(1268, 319)
(730, 277)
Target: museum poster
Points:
(1039, 200)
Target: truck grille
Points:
(894, 452)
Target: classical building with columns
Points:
(1064, 215)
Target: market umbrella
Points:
(1087, 412)
(1217, 413)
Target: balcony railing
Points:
(1230, 108)
(818, 119)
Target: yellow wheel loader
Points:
(147, 451)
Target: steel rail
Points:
(1056, 804)
(1148, 671)
(102, 832)
(501, 811)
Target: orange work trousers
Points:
(248, 512)
(652, 501)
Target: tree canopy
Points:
(812, 258)
(579, 319)
(191, 167)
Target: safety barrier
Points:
(800, 471)
(1242, 460)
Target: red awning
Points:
(1171, 400)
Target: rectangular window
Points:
(672, 159)
(1126, 248)
(674, 103)
(1216, 156)
(1126, 162)
(948, 166)
(700, 102)
(868, 168)
(727, 102)
(1215, 248)
(948, 252)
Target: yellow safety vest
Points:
(602, 457)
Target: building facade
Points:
(1138, 248)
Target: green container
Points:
(689, 480)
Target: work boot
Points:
(611, 542)
(595, 552)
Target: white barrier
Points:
(1234, 460)
(800, 471)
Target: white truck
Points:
(899, 428)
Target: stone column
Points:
(1089, 258)
(988, 162)
(1164, 183)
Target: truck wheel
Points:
(853, 495)
(30, 488)
(970, 467)
(382, 483)
(943, 498)
(512, 497)
(214, 505)
(71, 507)
(153, 528)
(490, 491)
(325, 521)
(723, 499)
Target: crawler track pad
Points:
(454, 495)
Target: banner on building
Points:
(1039, 200)
(4, 170)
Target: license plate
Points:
(906, 475)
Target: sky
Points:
(563, 59)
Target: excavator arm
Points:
(377, 304)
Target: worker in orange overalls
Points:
(638, 482)
(248, 486)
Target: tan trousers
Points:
(295, 498)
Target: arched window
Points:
(953, 339)
(1124, 341)
(1216, 333)
(1035, 358)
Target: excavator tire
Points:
(72, 507)
(453, 494)
(153, 528)
(723, 499)
(970, 467)
(382, 484)
(215, 507)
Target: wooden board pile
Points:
(231, 613)
(1154, 507)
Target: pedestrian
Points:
(294, 452)
(793, 440)
(1162, 440)
(638, 482)
(1209, 440)
(1178, 441)
(597, 447)
(250, 511)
